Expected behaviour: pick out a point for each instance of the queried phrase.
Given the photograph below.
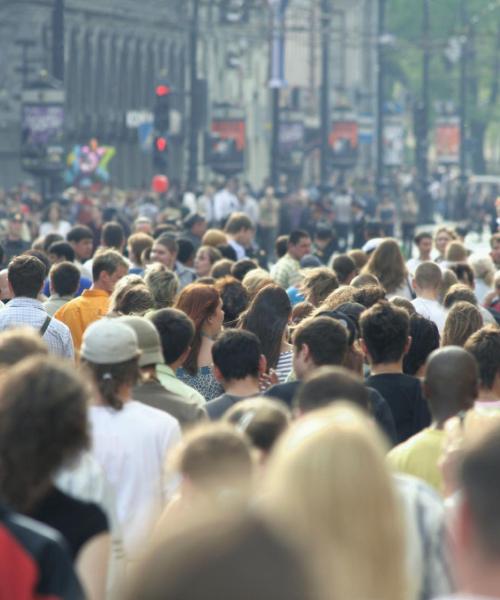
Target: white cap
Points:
(372, 245)
(109, 342)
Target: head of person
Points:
(255, 280)
(240, 228)
(15, 226)
(262, 420)
(234, 299)
(162, 283)
(462, 321)
(484, 345)
(281, 245)
(215, 465)
(227, 251)
(318, 341)
(64, 279)
(318, 283)
(20, 343)
(221, 268)
(165, 250)
(242, 267)
(359, 257)
(186, 252)
(176, 331)
(423, 241)
(368, 295)
(449, 279)
(110, 353)
(345, 268)
(387, 263)
(137, 243)
(108, 267)
(424, 340)
(143, 225)
(203, 305)
(456, 252)
(328, 385)
(495, 248)
(206, 257)
(464, 274)
(133, 299)
(341, 295)
(450, 383)
(61, 251)
(483, 269)
(385, 333)
(196, 224)
(43, 426)
(403, 303)
(428, 278)
(476, 523)
(41, 255)
(209, 559)
(214, 238)
(268, 316)
(81, 239)
(53, 212)
(49, 239)
(113, 236)
(26, 275)
(317, 481)
(364, 279)
(237, 355)
(5, 290)
(442, 238)
(459, 293)
(148, 340)
(299, 244)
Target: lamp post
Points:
(193, 80)
(380, 163)
(58, 40)
(325, 90)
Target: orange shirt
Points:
(80, 312)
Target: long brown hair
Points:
(462, 321)
(198, 301)
(387, 263)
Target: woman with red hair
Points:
(203, 304)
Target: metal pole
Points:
(193, 118)
(425, 201)
(380, 100)
(277, 76)
(58, 40)
(325, 91)
(462, 192)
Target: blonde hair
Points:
(341, 295)
(328, 483)
(214, 237)
(318, 283)
(255, 280)
(462, 321)
(484, 268)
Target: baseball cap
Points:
(309, 260)
(109, 342)
(148, 339)
(372, 245)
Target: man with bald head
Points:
(450, 386)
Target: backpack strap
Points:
(45, 325)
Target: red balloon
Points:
(160, 184)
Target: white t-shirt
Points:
(431, 309)
(132, 445)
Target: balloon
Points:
(160, 184)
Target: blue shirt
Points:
(85, 284)
(28, 312)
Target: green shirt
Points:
(168, 379)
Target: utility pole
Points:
(464, 49)
(325, 91)
(277, 81)
(193, 117)
(58, 40)
(422, 125)
(380, 100)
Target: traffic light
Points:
(161, 126)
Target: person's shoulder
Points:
(88, 513)
(217, 407)
(156, 417)
(283, 391)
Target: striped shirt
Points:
(28, 312)
(284, 366)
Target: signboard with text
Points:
(448, 140)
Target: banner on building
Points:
(42, 130)
(226, 145)
(291, 145)
(394, 141)
(448, 140)
(87, 164)
(344, 143)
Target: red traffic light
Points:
(162, 90)
(161, 144)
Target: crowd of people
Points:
(198, 405)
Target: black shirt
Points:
(76, 520)
(218, 406)
(403, 393)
